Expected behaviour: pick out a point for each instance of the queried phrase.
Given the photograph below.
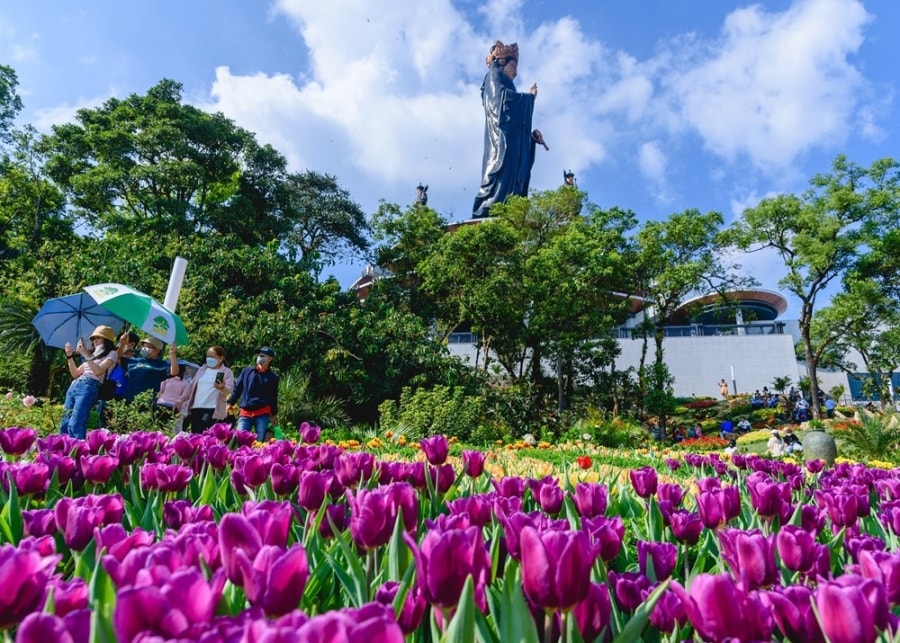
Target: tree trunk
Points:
(806, 318)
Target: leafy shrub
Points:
(42, 415)
(296, 403)
(739, 409)
(766, 416)
(137, 415)
(875, 436)
(616, 432)
(706, 443)
(700, 404)
(848, 411)
(439, 410)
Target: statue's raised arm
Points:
(509, 142)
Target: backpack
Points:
(111, 383)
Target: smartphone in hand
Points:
(220, 377)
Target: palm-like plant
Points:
(875, 437)
(296, 404)
(18, 335)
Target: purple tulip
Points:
(373, 623)
(442, 476)
(23, 578)
(593, 613)
(719, 610)
(98, 469)
(436, 449)
(373, 513)
(550, 497)
(477, 508)
(165, 477)
(812, 519)
(842, 508)
(606, 534)
(170, 609)
(664, 557)
(30, 478)
(410, 617)
(118, 542)
(473, 463)
(39, 522)
(553, 567)
(274, 580)
(850, 608)
(673, 464)
(630, 589)
(76, 518)
(271, 520)
(863, 542)
(670, 493)
(751, 557)
(883, 567)
(69, 596)
(236, 533)
(686, 526)
(591, 499)
(336, 515)
(718, 506)
(285, 478)
(767, 497)
(16, 441)
(312, 486)
(793, 613)
(353, 468)
(445, 559)
(309, 434)
(815, 466)
(100, 441)
(177, 513)
(41, 627)
(796, 548)
(644, 481)
(510, 487)
(668, 613)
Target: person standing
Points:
(168, 404)
(84, 390)
(147, 370)
(723, 389)
(256, 392)
(206, 399)
(509, 142)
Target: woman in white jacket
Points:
(204, 402)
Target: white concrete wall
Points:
(698, 363)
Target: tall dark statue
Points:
(509, 142)
(421, 195)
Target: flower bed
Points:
(210, 537)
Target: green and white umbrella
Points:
(140, 309)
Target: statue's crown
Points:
(502, 52)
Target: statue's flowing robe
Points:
(508, 145)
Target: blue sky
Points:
(658, 106)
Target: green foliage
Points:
(10, 102)
(134, 416)
(296, 403)
(43, 415)
(614, 432)
(875, 437)
(438, 410)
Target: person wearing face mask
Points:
(147, 370)
(86, 378)
(256, 392)
(206, 397)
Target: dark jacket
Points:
(255, 389)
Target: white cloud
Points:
(46, 117)
(774, 85)
(653, 165)
(393, 99)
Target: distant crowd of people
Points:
(132, 365)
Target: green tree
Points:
(819, 235)
(677, 258)
(10, 102)
(323, 222)
(153, 166)
(865, 319)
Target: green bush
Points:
(875, 437)
(439, 410)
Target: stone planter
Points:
(818, 445)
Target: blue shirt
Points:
(727, 426)
(142, 374)
(254, 389)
